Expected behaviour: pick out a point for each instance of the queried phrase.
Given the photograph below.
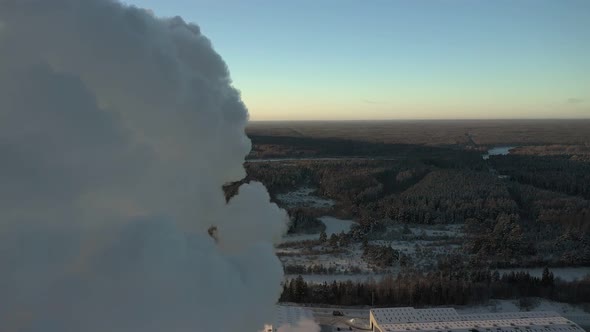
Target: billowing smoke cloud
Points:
(117, 131)
(302, 326)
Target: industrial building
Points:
(448, 320)
(288, 315)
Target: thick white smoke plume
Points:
(117, 131)
(302, 326)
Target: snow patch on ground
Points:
(333, 226)
(454, 230)
(499, 150)
(422, 253)
(300, 237)
(406, 247)
(303, 197)
(342, 262)
(329, 278)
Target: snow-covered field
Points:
(564, 273)
(300, 237)
(423, 243)
(567, 274)
(303, 197)
(499, 150)
(333, 226)
(342, 262)
(412, 246)
(406, 247)
(321, 278)
(423, 253)
(452, 230)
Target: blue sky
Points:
(387, 59)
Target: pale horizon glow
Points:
(355, 60)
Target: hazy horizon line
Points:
(419, 119)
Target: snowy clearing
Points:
(321, 278)
(303, 197)
(499, 150)
(342, 262)
(333, 226)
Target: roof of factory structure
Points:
(447, 319)
(411, 315)
(289, 315)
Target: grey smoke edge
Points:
(117, 131)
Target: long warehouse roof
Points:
(447, 319)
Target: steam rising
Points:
(117, 131)
(302, 326)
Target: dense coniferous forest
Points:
(437, 288)
(561, 174)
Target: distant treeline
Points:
(306, 147)
(440, 288)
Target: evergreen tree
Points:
(547, 278)
(334, 240)
(323, 237)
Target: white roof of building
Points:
(447, 319)
(411, 315)
(510, 315)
